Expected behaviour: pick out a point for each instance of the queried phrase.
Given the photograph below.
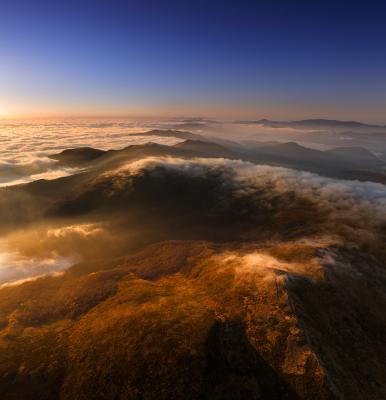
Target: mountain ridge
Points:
(313, 122)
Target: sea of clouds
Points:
(26, 145)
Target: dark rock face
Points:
(235, 370)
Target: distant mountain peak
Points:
(324, 121)
(313, 122)
(354, 152)
(194, 142)
(292, 145)
(78, 155)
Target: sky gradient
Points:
(272, 59)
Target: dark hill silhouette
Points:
(338, 162)
(179, 134)
(207, 149)
(78, 155)
(356, 155)
(315, 124)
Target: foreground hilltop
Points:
(192, 320)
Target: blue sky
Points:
(250, 58)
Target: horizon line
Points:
(27, 117)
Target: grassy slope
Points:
(169, 322)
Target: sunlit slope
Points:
(196, 320)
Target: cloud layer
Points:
(16, 268)
(362, 204)
(25, 146)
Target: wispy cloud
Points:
(16, 267)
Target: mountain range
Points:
(344, 162)
(314, 124)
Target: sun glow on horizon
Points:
(3, 112)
